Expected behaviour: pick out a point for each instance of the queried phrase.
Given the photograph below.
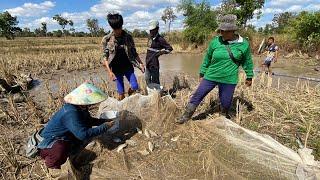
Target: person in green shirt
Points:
(220, 67)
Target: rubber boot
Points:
(225, 112)
(121, 97)
(190, 109)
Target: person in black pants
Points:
(157, 46)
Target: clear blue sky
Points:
(137, 13)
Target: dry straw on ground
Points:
(286, 112)
(281, 112)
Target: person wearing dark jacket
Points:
(120, 56)
(71, 128)
(157, 46)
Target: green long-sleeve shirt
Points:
(218, 66)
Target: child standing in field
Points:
(157, 46)
(120, 55)
(272, 55)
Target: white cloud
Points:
(141, 15)
(102, 9)
(313, 7)
(51, 24)
(275, 7)
(259, 22)
(77, 17)
(47, 20)
(272, 11)
(106, 6)
(137, 14)
(141, 19)
(216, 6)
(294, 8)
(286, 3)
(31, 9)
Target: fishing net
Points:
(214, 148)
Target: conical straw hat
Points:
(85, 94)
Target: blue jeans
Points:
(225, 92)
(131, 78)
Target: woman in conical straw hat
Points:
(220, 67)
(71, 127)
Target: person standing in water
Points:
(157, 46)
(220, 67)
(120, 56)
(272, 55)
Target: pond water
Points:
(190, 64)
(171, 65)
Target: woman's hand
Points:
(109, 124)
(142, 68)
(112, 76)
(248, 82)
(201, 77)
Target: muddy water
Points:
(190, 64)
(171, 65)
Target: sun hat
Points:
(85, 94)
(227, 23)
(153, 25)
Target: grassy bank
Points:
(45, 55)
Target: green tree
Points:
(200, 20)
(251, 28)
(49, 34)
(306, 29)
(168, 17)
(282, 21)
(144, 34)
(57, 33)
(268, 29)
(136, 33)
(93, 26)
(38, 32)
(81, 34)
(44, 29)
(139, 34)
(306, 24)
(244, 9)
(26, 32)
(63, 22)
(101, 32)
(8, 25)
(41, 31)
(73, 31)
(126, 30)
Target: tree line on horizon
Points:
(9, 28)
